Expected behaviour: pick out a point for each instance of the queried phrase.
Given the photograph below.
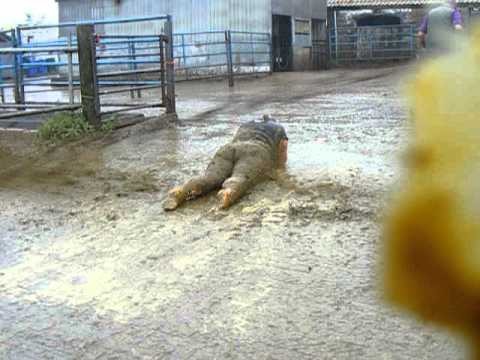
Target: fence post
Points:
(16, 73)
(162, 69)
(330, 46)
(2, 92)
(183, 51)
(170, 61)
(335, 29)
(253, 50)
(88, 74)
(371, 41)
(130, 56)
(228, 44)
(270, 49)
(411, 37)
(135, 67)
(328, 54)
(184, 55)
(71, 94)
(20, 66)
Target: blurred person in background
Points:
(436, 32)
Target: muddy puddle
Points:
(48, 167)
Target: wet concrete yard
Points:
(92, 268)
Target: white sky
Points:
(14, 12)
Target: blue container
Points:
(29, 71)
(52, 61)
(41, 69)
(36, 70)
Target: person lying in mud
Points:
(257, 150)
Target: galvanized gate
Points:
(112, 65)
(45, 74)
(372, 43)
(98, 67)
(319, 44)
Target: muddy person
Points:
(258, 149)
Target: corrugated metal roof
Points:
(388, 3)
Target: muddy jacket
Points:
(267, 133)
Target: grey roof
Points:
(365, 4)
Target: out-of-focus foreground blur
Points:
(433, 233)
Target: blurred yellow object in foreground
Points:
(432, 262)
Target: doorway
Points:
(282, 43)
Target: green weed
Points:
(69, 126)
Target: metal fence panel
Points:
(42, 85)
(128, 63)
(373, 43)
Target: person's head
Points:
(452, 3)
(268, 118)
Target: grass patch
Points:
(68, 126)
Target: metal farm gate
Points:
(319, 44)
(319, 54)
(40, 77)
(89, 71)
(372, 43)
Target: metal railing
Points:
(115, 57)
(46, 76)
(18, 85)
(373, 43)
(129, 68)
(222, 53)
(197, 55)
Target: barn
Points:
(295, 25)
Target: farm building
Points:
(294, 25)
(369, 30)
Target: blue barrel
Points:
(29, 71)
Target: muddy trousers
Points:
(237, 167)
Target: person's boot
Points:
(226, 197)
(174, 199)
